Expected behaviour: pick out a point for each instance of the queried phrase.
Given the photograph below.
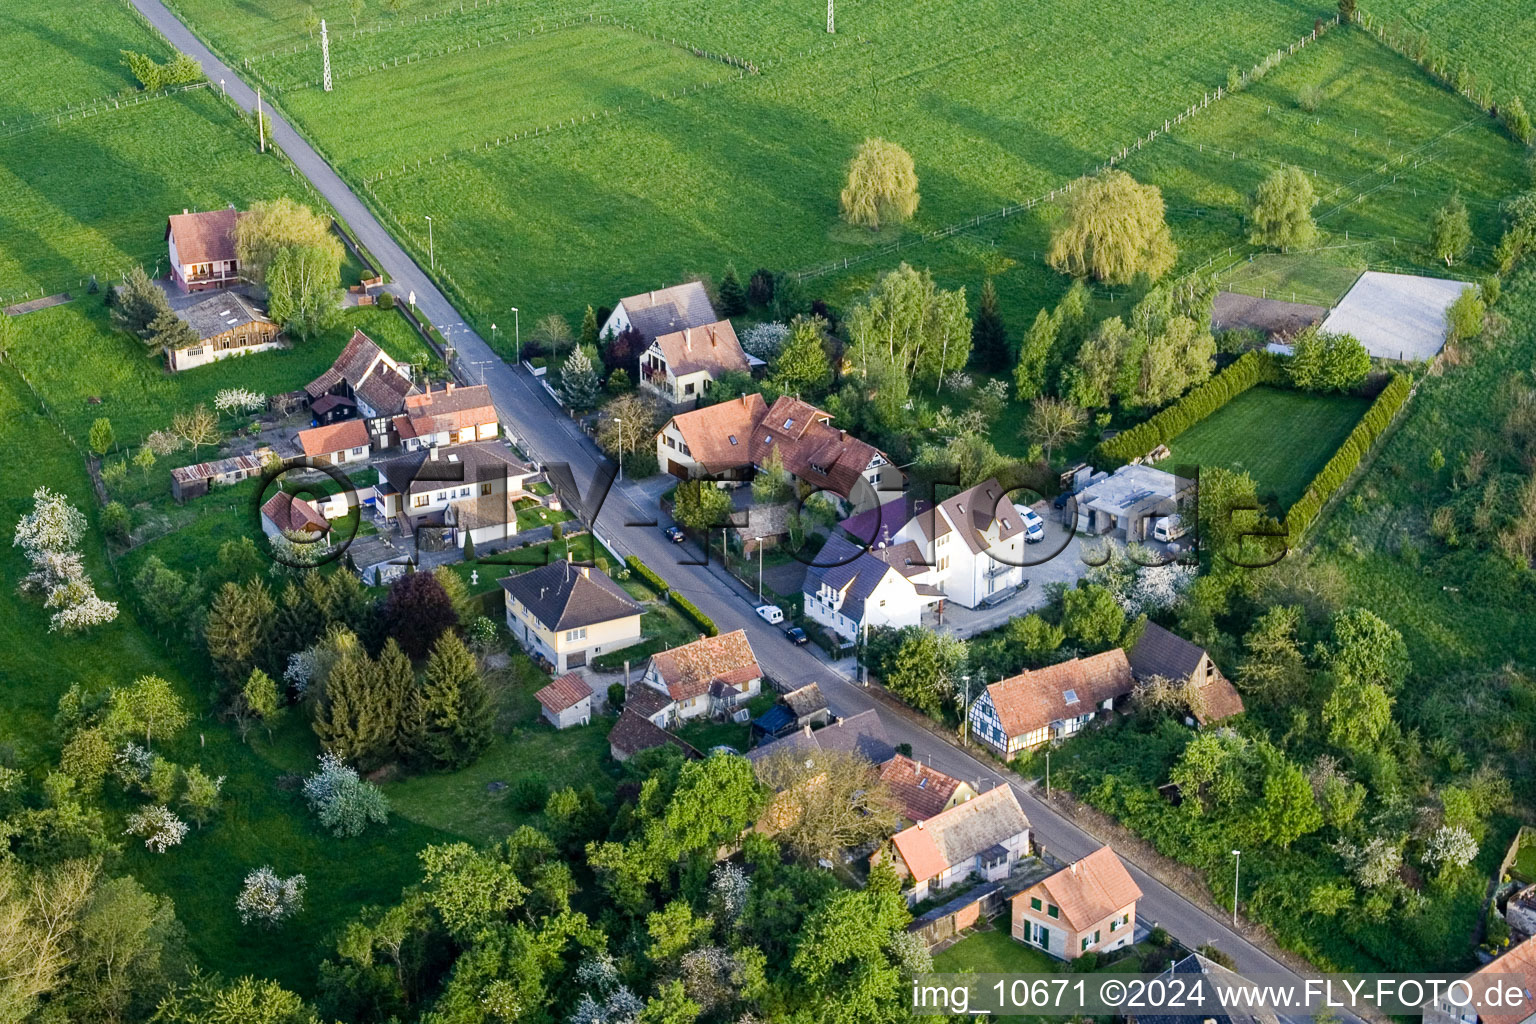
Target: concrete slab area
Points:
(1396, 316)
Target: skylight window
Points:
(922, 783)
(1070, 696)
(789, 423)
(733, 439)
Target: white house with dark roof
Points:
(364, 375)
(226, 325)
(863, 734)
(711, 675)
(850, 590)
(662, 311)
(973, 543)
(568, 614)
(468, 490)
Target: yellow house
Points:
(567, 614)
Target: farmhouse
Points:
(684, 365)
(850, 590)
(566, 702)
(1087, 906)
(1210, 696)
(862, 733)
(924, 791)
(985, 836)
(202, 249)
(194, 481)
(660, 312)
(567, 614)
(451, 415)
(468, 490)
(733, 439)
(1049, 704)
(711, 675)
(374, 383)
(226, 325)
(633, 733)
(284, 514)
(973, 543)
(1124, 502)
(337, 444)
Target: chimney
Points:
(586, 572)
(712, 342)
(541, 592)
(919, 824)
(653, 298)
(450, 387)
(185, 211)
(688, 338)
(433, 453)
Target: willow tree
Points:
(912, 325)
(882, 186)
(1114, 230)
(1281, 213)
(270, 226)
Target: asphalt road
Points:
(549, 436)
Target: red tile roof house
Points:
(1211, 697)
(985, 836)
(1049, 704)
(734, 439)
(566, 702)
(923, 791)
(633, 733)
(661, 312)
(710, 676)
(451, 415)
(682, 366)
(202, 249)
(1089, 906)
(1519, 960)
(284, 514)
(338, 443)
(366, 376)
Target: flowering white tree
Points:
(239, 400)
(158, 826)
(1450, 846)
(730, 884)
(83, 614)
(52, 569)
(344, 802)
(765, 340)
(268, 899)
(52, 525)
(162, 442)
(132, 763)
(1157, 588)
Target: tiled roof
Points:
(1089, 890)
(807, 700)
(849, 570)
(646, 700)
(712, 348)
(562, 596)
(1033, 700)
(973, 511)
(669, 309)
(1195, 964)
(334, 437)
(1214, 700)
(1520, 960)
(207, 237)
(633, 733)
(370, 373)
(862, 733)
(960, 833)
(289, 515)
(922, 790)
(1160, 653)
(452, 408)
(220, 314)
(564, 693)
(708, 432)
(434, 469)
(874, 525)
(689, 670)
(811, 448)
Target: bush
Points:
(117, 520)
(386, 300)
(1158, 936)
(691, 611)
(1309, 98)
(1338, 469)
(616, 697)
(1085, 963)
(345, 804)
(529, 793)
(1216, 956)
(652, 580)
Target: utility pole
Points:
(261, 122)
(759, 542)
(1047, 774)
(1237, 865)
(517, 334)
(620, 422)
(965, 712)
(830, 24)
(325, 53)
(431, 251)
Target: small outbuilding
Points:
(567, 701)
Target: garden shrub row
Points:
(642, 570)
(1332, 476)
(1252, 368)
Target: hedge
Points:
(1252, 368)
(691, 611)
(642, 570)
(1344, 462)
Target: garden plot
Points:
(1396, 316)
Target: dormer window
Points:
(1070, 696)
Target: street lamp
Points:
(759, 542)
(1237, 864)
(1047, 774)
(431, 252)
(517, 334)
(620, 422)
(965, 704)
(493, 335)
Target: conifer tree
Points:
(240, 627)
(588, 337)
(733, 297)
(351, 712)
(298, 622)
(455, 714)
(989, 337)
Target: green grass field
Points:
(1281, 438)
(78, 47)
(1493, 37)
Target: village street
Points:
(549, 436)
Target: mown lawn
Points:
(1278, 436)
(994, 951)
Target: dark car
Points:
(675, 535)
(796, 635)
(1061, 500)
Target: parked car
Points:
(1168, 528)
(1034, 526)
(796, 636)
(771, 613)
(1061, 500)
(675, 535)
